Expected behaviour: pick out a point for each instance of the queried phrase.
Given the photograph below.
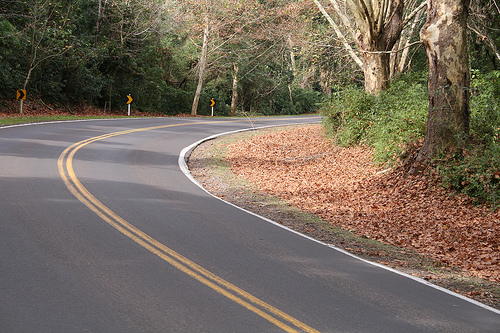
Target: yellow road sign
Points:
(21, 94)
(212, 102)
(130, 99)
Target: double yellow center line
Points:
(243, 298)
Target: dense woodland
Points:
(275, 53)
(396, 74)
(276, 56)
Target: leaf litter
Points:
(345, 188)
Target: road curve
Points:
(101, 231)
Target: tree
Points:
(223, 31)
(445, 38)
(204, 19)
(125, 33)
(45, 29)
(374, 26)
(378, 25)
(484, 22)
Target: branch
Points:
(343, 17)
(348, 47)
(363, 14)
(487, 39)
(414, 12)
(393, 51)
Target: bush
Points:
(302, 101)
(348, 115)
(175, 101)
(401, 114)
(305, 100)
(394, 120)
(476, 172)
(222, 102)
(485, 107)
(388, 122)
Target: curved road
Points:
(101, 231)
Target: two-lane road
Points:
(101, 231)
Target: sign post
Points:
(212, 103)
(129, 101)
(21, 96)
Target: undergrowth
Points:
(394, 122)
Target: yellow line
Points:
(250, 302)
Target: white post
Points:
(128, 109)
(212, 111)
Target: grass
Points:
(37, 119)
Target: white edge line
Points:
(184, 168)
(70, 121)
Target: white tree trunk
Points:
(203, 64)
(234, 97)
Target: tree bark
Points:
(405, 43)
(379, 27)
(444, 36)
(234, 97)
(203, 64)
(376, 72)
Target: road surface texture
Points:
(101, 231)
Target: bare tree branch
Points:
(341, 36)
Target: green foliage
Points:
(476, 171)
(284, 102)
(396, 119)
(222, 102)
(485, 107)
(348, 116)
(175, 101)
(387, 122)
(9, 75)
(401, 115)
(305, 100)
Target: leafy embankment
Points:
(345, 188)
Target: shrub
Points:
(348, 115)
(221, 107)
(305, 100)
(390, 122)
(476, 172)
(400, 121)
(175, 101)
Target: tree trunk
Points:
(379, 27)
(376, 71)
(234, 98)
(203, 64)
(404, 54)
(445, 38)
(28, 76)
(339, 33)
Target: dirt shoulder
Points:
(296, 177)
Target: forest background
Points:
(262, 57)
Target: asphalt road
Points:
(101, 231)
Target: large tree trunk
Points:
(445, 38)
(376, 72)
(379, 27)
(203, 64)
